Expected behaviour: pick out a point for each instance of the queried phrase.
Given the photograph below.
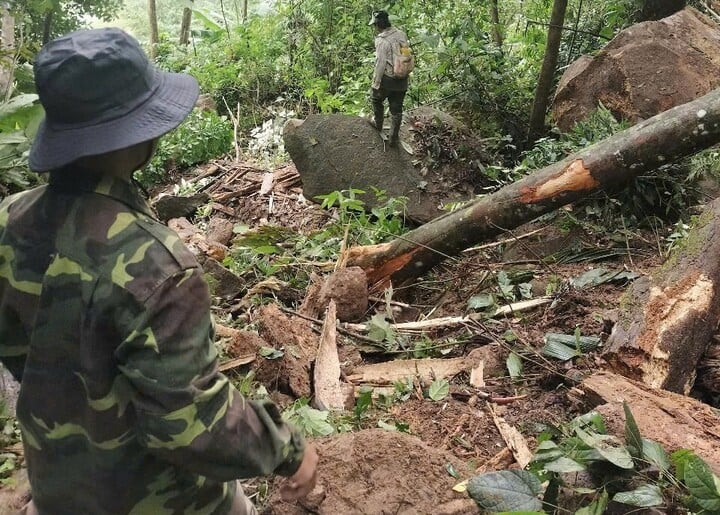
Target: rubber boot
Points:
(395, 122)
(379, 119)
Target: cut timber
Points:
(440, 322)
(607, 165)
(427, 370)
(673, 420)
(326, 377)
(514, 439)
(670, 318)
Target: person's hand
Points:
(303, 481)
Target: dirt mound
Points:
(380, 472)
(647, 69)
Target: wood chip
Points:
(476, 375)
(513, 438)
(427, 370)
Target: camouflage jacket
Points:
(105, 319)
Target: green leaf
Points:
(597, 507)
(506, 490)
(559, 351)
(270, 353)
(644, 496)
(608, 447)
(632, 433)
(380, 330)
(514, 365)
(563, 465)
(702, 485)
(16, 103)
(439, 389)
(483, 301)
(654, 454)
(451, 470)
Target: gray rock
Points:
(223, 282)
(170, 207)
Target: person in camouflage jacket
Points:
(105, 314)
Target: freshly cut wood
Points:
(326, 377)
(607, 165)
(513, 439)
(440, 322)
(671, 419)
(427, 370)
(670, 317)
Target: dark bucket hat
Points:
(100, 94)
(379, 16)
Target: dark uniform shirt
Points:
(105, 319)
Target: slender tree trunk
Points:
(185, 26)
(7, 66)
(154, 33)
(547, 71)
(244, 10)
(47, 25)
(496, 27)
(607, 165)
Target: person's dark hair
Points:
(381, 19)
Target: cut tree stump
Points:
(671, 419)
(667, 321)
(607, 165)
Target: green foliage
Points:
(665, 194)
(438, 390)
(204, 135)
(636, 473)
(311, 421)
(64, 16)
(9, 435)
(19, 119)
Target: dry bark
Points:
(668, 319)
(607, 165)
(673, 420)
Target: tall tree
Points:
(152, 18)
(7, 61)
(547, 71)
(185, 26)
(496, 27)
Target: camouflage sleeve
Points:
(16, 289)
(188, 413)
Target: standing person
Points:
(105, 314)
(385, 82)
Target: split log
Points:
(427, 370)
(326, 377)
(609, 164)
(671, 419)
(668, 320)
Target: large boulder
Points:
(645, 70)
(338, 152)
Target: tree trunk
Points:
(674, 421)
(547, 71)
(496, 27)
(47, 26)
(671, 317)
(185, 26)
(244, 10)
(607, 165)
(7, 65)
(154, 33)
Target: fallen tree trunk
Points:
(609, 164)
(667, 320)
(673, 420)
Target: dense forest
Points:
(483, 342)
